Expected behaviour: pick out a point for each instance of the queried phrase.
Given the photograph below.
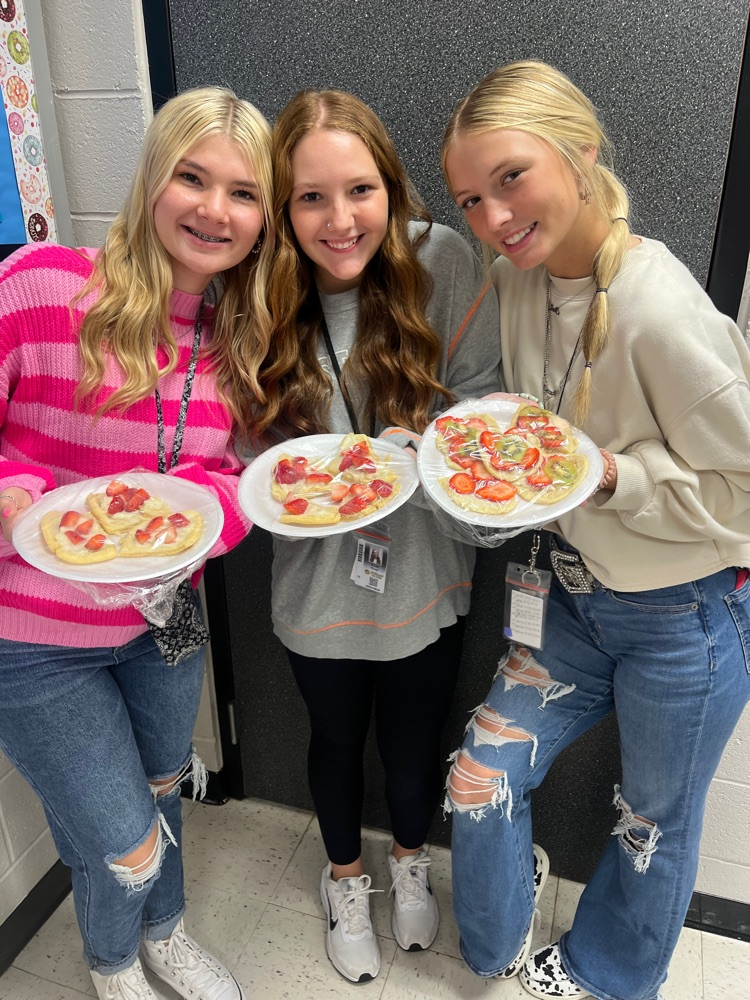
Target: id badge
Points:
(371, 562)
(526, 604)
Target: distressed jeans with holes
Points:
(673, 663)
(88, 729)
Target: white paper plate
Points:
(259, 505)
(178, 493)
(433, 467)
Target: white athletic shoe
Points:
(189, 969)
(415, 918)
(130, 984)
(350, 943)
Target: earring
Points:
(256, 248)
(328, 225)
(584, 193)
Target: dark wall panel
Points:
(273, 730)
(664, 77)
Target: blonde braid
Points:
(610, 196)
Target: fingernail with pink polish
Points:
(6, 512)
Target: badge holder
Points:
(371, 562)
(526, 601)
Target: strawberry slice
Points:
(167, 535)
(297, 505)
(319, 477)
(462, 482)
(498, 491)
(462, 456)
(74, 537)
(137, 500)
(338, 492)
(155, 523)
(85, 525)
(70, 519)
(539, 479)
(115, 488)
(116, 504)
(178, 520)
(142, 536)
(286, 472)
(382, 488)
(354, 506)
(358, 456)
(95, 542)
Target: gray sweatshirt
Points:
(317, 609)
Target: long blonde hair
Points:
(533, 97)
(396, 352)
(134, 276)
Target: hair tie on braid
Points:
(619, 218)
(587, 365)
(604, 290)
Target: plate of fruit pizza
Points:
(326, 484)
(494, 462)
(119, 529)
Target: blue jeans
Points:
(89, 729)
(674, 664)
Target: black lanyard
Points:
(344, 393)
(180, 428)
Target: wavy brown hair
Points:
(392, 366)
(134, 275)
(536, 98)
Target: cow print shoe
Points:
(542, 975)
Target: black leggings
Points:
(412, 697)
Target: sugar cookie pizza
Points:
(76, 538)
(347, 486)
(122, 507)
(123, 521)
(164, 535)
(535, 458)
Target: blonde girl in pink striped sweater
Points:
(90, 712)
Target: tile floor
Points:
(254, 871)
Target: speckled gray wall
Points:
(663, 75)
(664, 80)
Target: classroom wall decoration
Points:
(26, 210)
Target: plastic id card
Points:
(371, 562)
(526, 603)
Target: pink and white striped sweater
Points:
(45, 442)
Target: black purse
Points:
(183, 632)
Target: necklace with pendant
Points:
(550, 393)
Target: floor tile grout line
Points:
(44, 979)
(296, 849)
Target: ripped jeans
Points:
(89, 729)
(674, 664)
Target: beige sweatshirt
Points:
(670, 400)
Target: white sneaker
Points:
(130, 984)
(189, 969)
(350, 943)
(415, 918)
(541, 871)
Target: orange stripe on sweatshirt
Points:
(467, 319)
(372, 624)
